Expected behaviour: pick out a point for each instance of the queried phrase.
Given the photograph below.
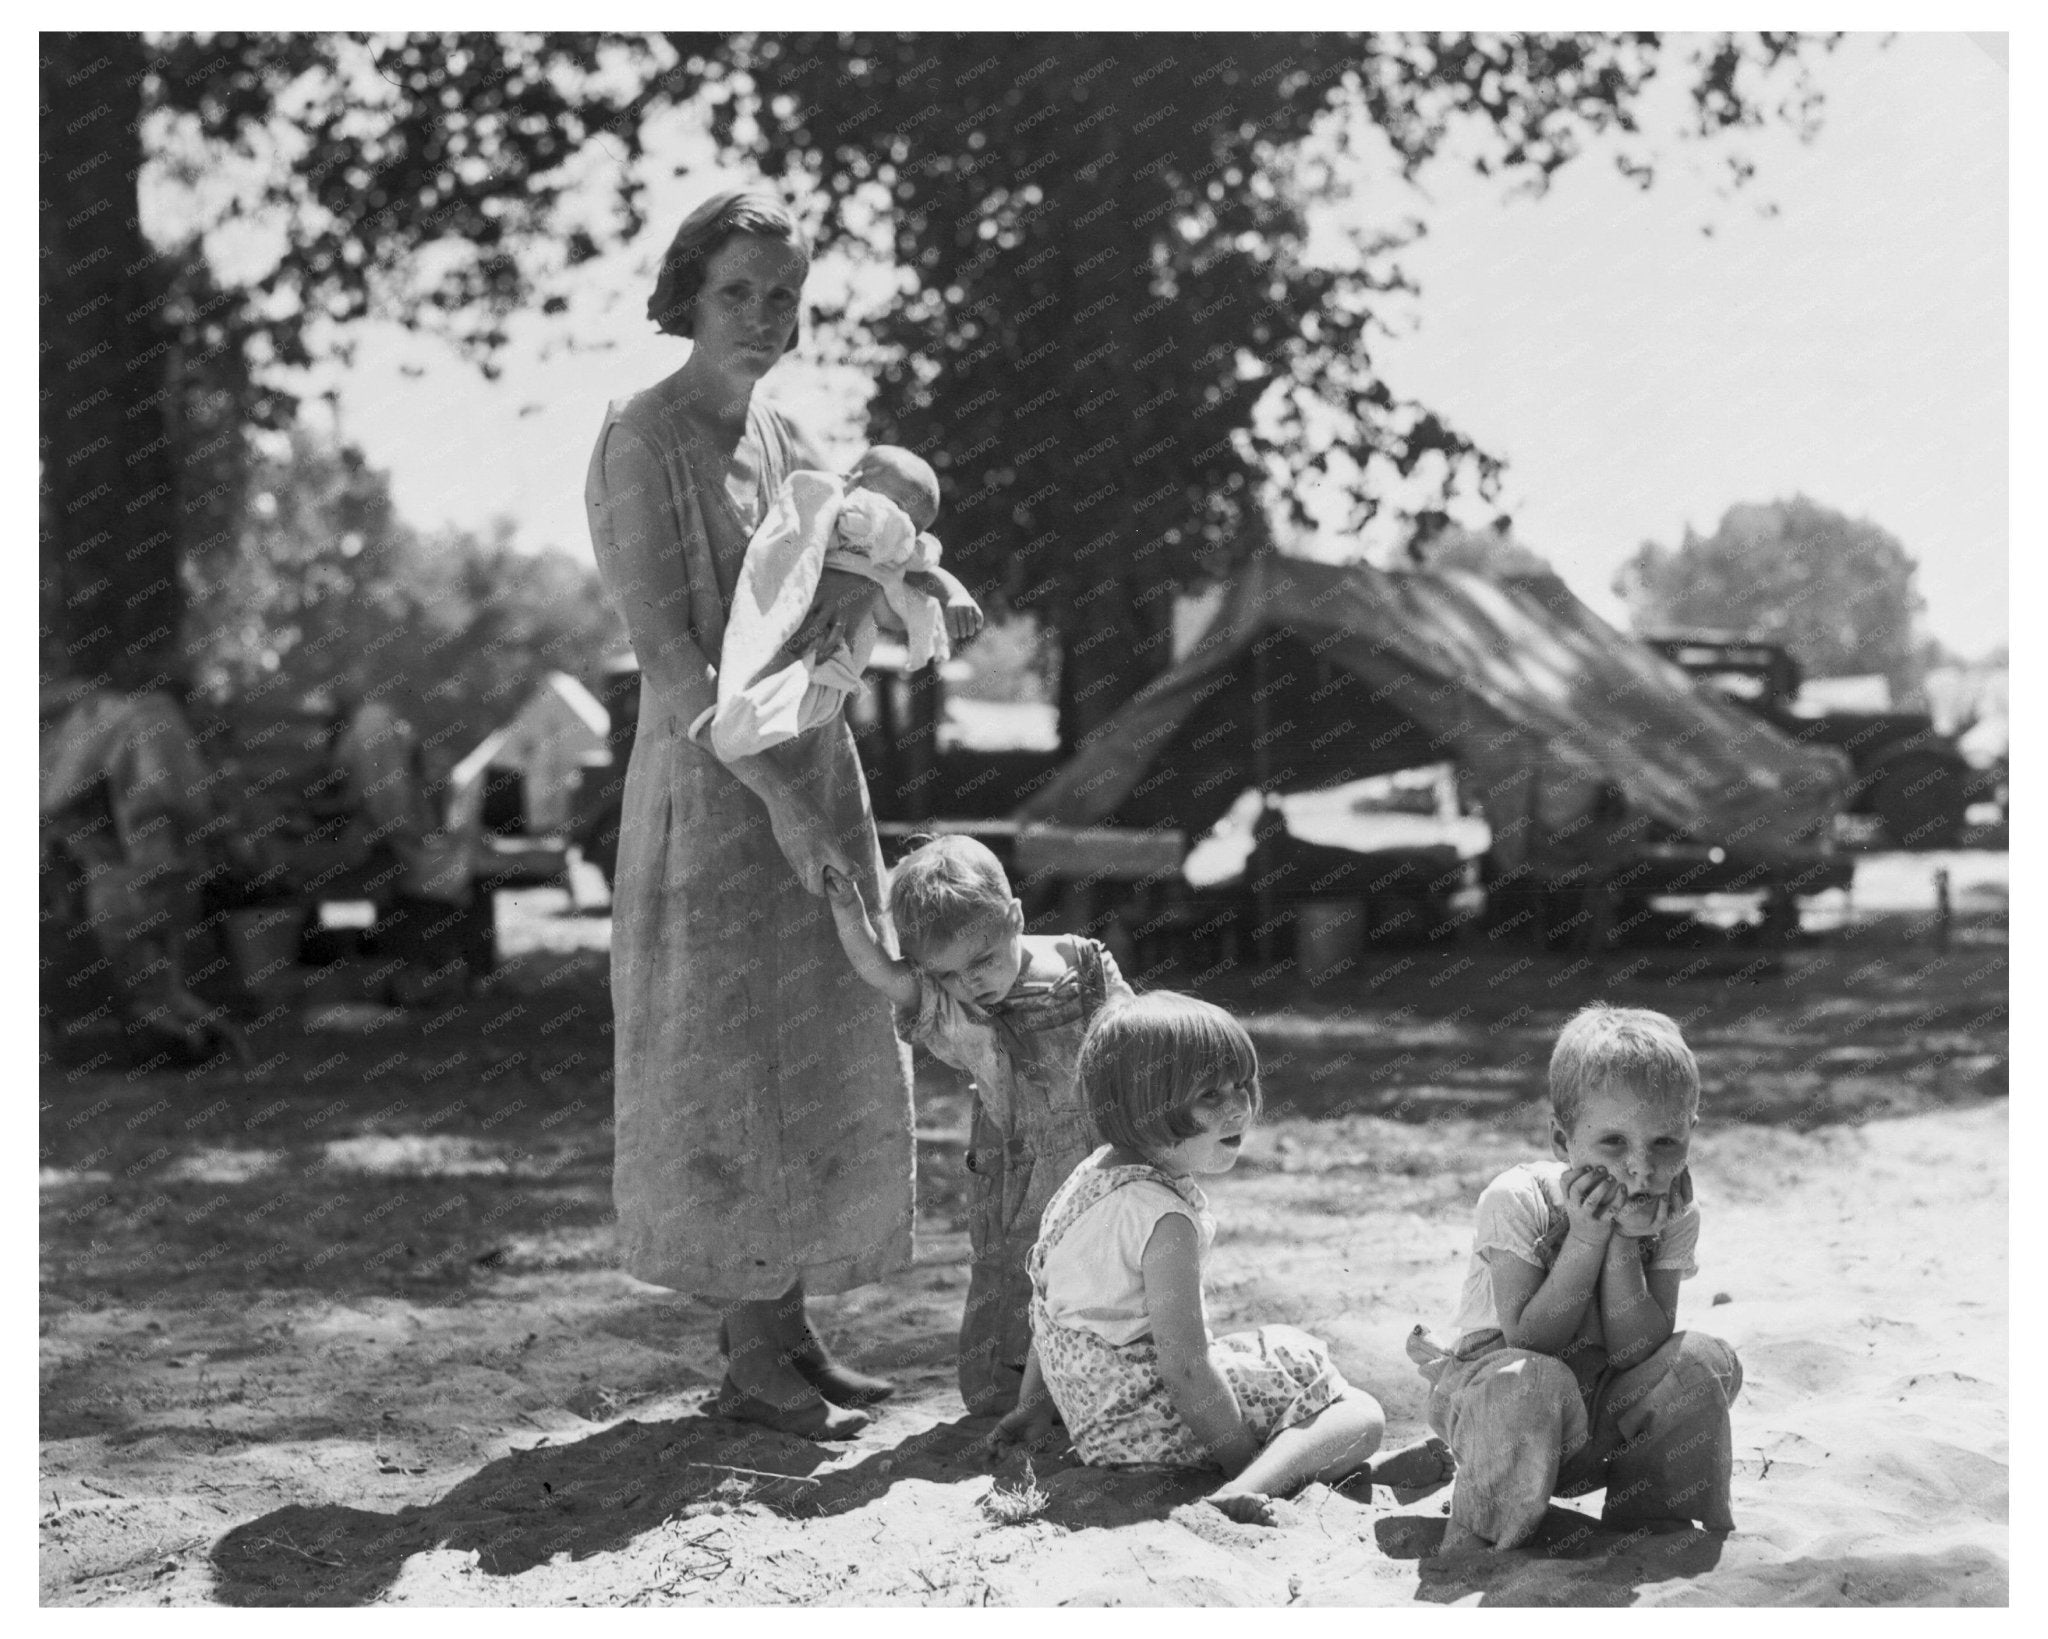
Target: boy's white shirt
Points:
(761, 693)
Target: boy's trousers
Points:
(1009, 1183)
(1526, 1427)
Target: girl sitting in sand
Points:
(1120, 1335)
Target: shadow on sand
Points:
(1570, 1560)
(597, 1495)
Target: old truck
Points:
(1905, 772)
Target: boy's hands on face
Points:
(1632, 1220)
(1675, 1199)
(1592, 1196)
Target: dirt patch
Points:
(346, 1326)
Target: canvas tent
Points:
(1575, 741)
(560, 730)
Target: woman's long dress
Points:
(762, 1099)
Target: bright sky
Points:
(1636, 374)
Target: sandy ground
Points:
(343, 1328)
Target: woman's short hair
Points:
(941, 889)
(1631, 1047)
(721, 217)
(1145, 1061)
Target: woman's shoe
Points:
(816, 1421)
(841, 1385)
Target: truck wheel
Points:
(1921, 797)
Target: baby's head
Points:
(1624, 1095)
(957, 919)
(1173, 1079)
(908, 480)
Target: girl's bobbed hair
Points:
(1147, 1060)
(941, 889)
(705, 230)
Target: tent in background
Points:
(1575, 741)
(559, 731)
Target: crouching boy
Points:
(1566, 1373)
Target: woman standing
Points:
(763, 1112)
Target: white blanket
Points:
(764, 697)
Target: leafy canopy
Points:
(1107, 333)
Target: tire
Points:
(1921, 796)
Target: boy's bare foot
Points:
(1425, 1466)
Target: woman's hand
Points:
(845, 894)
(808, 842)
(849, 906)
(844, 599)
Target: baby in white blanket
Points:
(871, 522)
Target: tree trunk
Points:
(1118, 637)
(109, 552)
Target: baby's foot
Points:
(1247, 1507)
(1425, 1466)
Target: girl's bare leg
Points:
(1339, 1440)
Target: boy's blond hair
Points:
(1635, 1046)
(941, 889)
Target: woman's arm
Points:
(895, 979)
(637, 535)
(843, 600)
(1173, 1301)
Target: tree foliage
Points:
(327, 588)
(1836, 591)
(1099, 239)
(1493, 552)
(1103, 246)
